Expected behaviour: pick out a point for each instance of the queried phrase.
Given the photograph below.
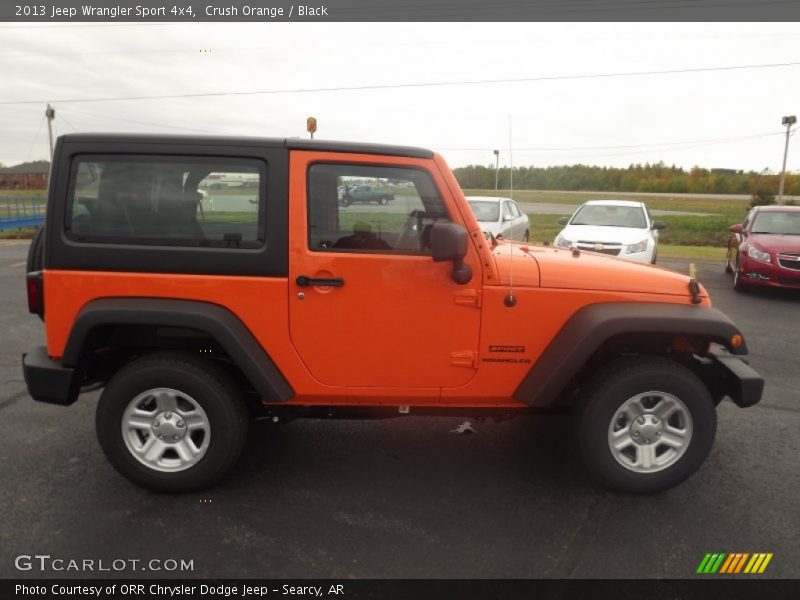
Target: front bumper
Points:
(757, 279)
(642, 257)
(759, 274)
(738, 379)
(614, 249)
(47, 380)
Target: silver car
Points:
(502, 217)
(617, 227)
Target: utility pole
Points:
(788, 121)
(50, 113)
(496, 168)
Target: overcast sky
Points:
(614, 121)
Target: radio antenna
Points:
(510, 300)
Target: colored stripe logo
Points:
(734, 563)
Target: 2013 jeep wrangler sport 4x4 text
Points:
(205, 281)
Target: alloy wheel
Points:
(650, 432)
(166, 430)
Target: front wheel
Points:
(738, 285)
(171, 422)
(383, 200)
(645, 425)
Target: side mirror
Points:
(736, 228)
(563, 220)
(449, 242)
(659, 225)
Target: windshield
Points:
(485, 211)
(778, 223)
(610, 216)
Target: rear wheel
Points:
(171, 422)
(526, 237)
(645, 425)
(383, 200)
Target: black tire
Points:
(345, 202)
(383, 200)
(655, 256)
(36, 252)
(526, 237)
(728, 268)
(209, 385)
(602, 398)
(737, 281)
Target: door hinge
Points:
(464, 358)
(470, 297)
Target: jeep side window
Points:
(167, 200)
(392, 212)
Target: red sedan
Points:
(765, 249)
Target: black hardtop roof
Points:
(288, 143)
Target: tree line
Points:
(657, 177)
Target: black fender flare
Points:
(215, 320)
(590, 327)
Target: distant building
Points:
(25, 176)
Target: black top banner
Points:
(187, 11)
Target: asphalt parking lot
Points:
(405, 497)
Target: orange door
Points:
(368, 306)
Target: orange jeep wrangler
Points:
(204, 281)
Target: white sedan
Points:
(502, 217)
(615, 227)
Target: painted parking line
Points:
(14, 242)
(19, 264)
